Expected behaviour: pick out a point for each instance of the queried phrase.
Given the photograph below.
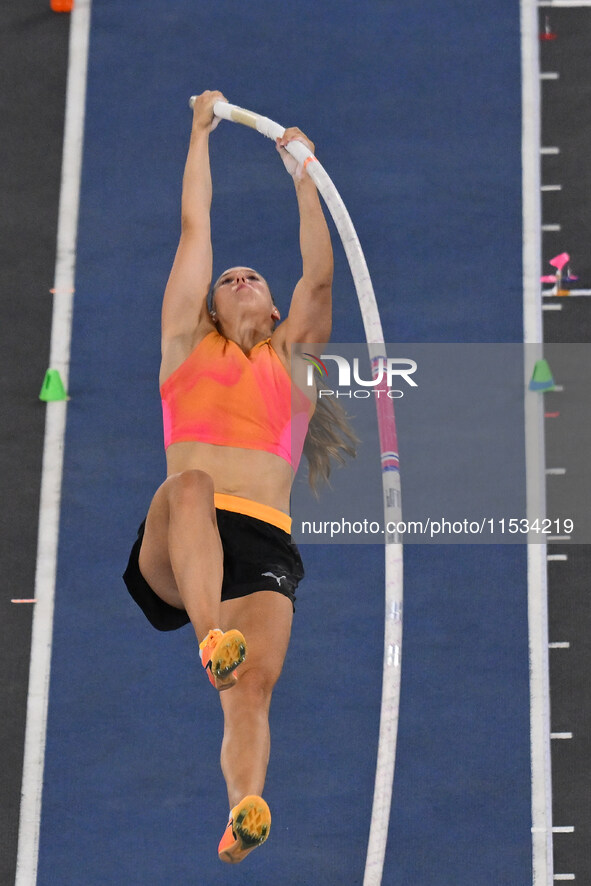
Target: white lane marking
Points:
(565, 4)
(561, 735)
(570, 293)
(551, 188)
(562, 644)
(550, 151)
(51, 477)
(537, 567)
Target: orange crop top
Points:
(222, 395)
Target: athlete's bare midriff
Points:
(250, 473)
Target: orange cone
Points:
(62, 5)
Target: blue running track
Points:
(415, 110)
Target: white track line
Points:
(542, 860)
(565, 4)
(51, 478)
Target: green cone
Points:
(542, 379)
(53, 387)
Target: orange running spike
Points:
(220, 655)
(249, 826)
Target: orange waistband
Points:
(250, 508)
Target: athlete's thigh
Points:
(265, 619)
(154, 558)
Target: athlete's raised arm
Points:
(184, 308)
(310, 313)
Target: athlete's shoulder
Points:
(177, 351)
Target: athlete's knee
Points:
(257, 684)
(190, 487)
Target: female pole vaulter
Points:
(215, 549)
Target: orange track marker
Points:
(62, 5)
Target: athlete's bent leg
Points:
(181, 556)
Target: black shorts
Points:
(257, 557)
